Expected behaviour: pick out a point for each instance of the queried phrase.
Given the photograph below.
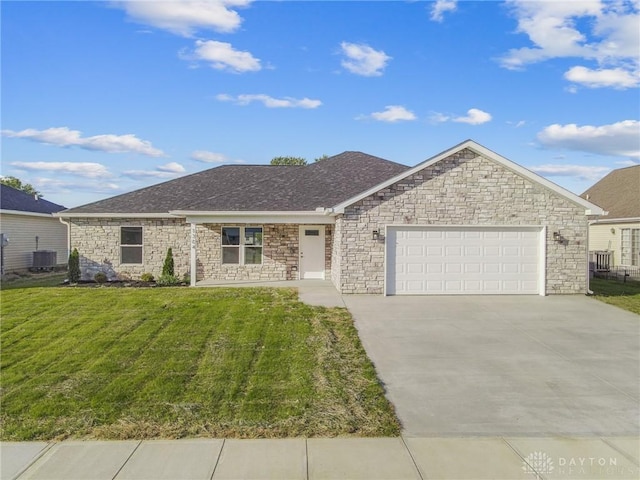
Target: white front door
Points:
(311, 251)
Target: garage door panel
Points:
(463, 260)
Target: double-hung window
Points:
(131, 245)
(630, 247)
(242, 245)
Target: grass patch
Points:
(32, 280)
(171, 363)
(624, 295)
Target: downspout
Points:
(68, 224)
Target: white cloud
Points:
(363, 60)
(270, 102)
(603, 77)
(222, 56)
(169, 170)
(618, 139)
(518, 124)
(171, 167)
(81, 169)
(208, 157)
(56, 185)
(185, 17)
(391, 114)
(212, 157)
(440, 7)
(581, 172)
(437, 117)
(474, 117)
(65, 137)
(627, 163)
(605, 33)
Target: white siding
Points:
(22, 231)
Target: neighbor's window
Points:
(630, 247)
(130, 244)
(242, 245)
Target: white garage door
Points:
(463, 260)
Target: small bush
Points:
(168, 281)
(147, 277)
(100, 277)
(167, 267)
(74, 266)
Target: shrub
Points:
(167, 267)
(168, 281)
(100, 277)
(147, 277)
(74, 266)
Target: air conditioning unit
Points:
(44, 259)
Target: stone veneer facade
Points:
(463, 189)
(98, 242)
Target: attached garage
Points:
(467, 260)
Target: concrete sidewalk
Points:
(326, 458)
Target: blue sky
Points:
(101, 98)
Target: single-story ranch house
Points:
(467, 221)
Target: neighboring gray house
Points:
(27, 223)
(467, 221)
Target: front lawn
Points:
(177, 362)
(621, 294)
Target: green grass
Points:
(32, 280)
(624, 295)
(119, 363)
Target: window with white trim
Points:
(630, 246)
(242, 245)
(131, 245)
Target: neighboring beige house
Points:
(27, 225)
(466, 221)
(617, 232)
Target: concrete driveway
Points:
(508, 365)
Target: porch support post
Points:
(194, 258)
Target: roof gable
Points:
(19, 201)
(590, 208)
(618, 193)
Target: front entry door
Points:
(311, 251)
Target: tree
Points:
(18, 185)
(167, 267)
(74, 266)
(324, 156)
(288, 161)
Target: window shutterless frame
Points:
(242, 245)
(131, 245)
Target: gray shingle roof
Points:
(257, 187)
(14, 199)
(618, 193)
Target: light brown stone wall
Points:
(98, 242)
(463, 189)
